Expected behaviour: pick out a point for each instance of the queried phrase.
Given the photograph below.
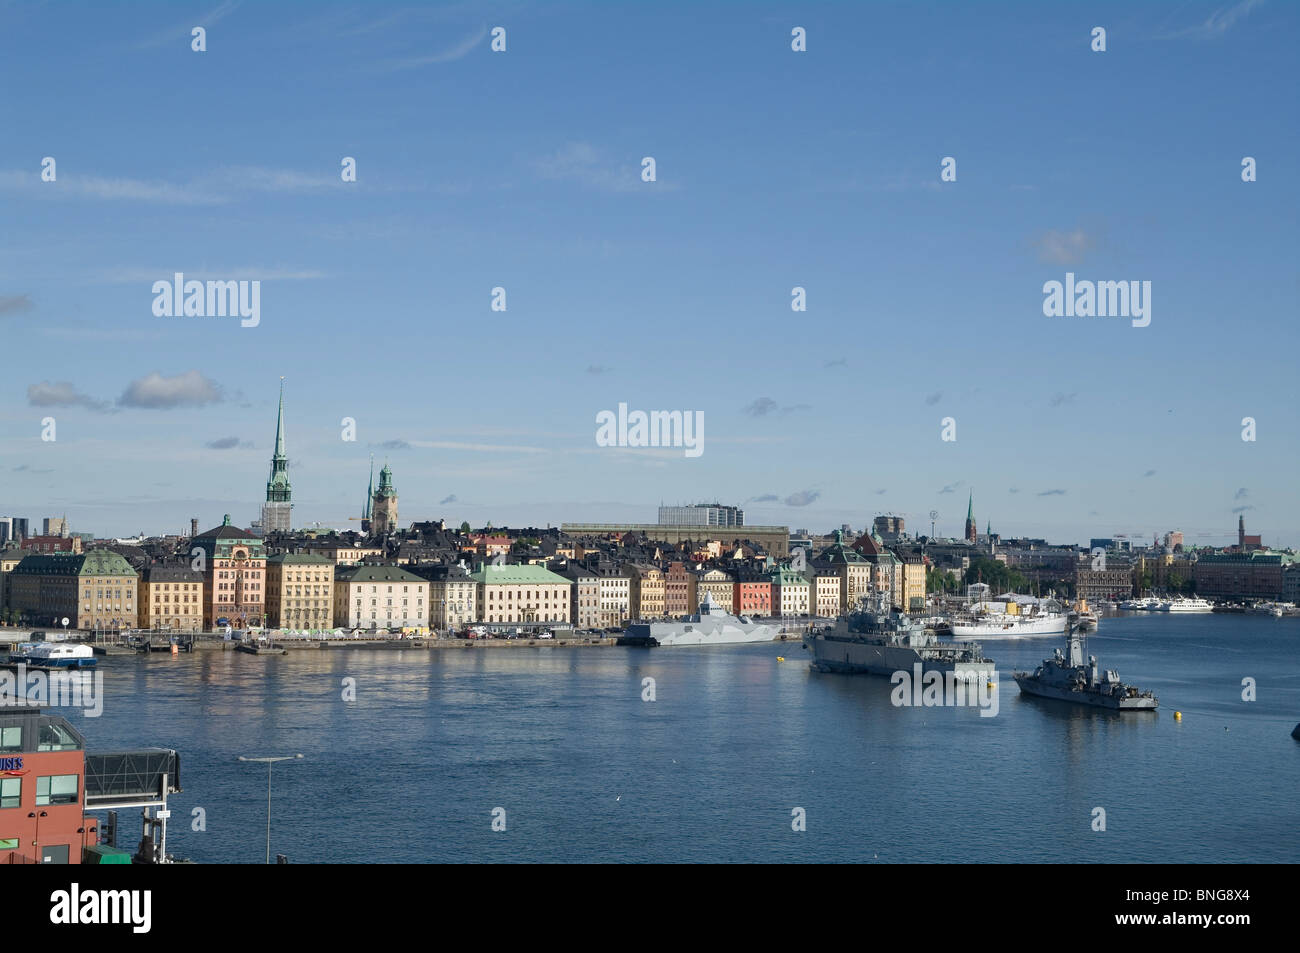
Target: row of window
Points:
(52, 789)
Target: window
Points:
(56, 789)
(11, 792)
(11, 739)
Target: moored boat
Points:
(53, 655)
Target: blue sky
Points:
(775, 169)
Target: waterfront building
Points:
(234, 576)
(680, 593)
(701, 514)
(1291, 583)
(1115, 582)
(514, 593)
(888, 569)
(720, 587)
(911, 575)
(383, 510)
(276, 511)
(9, 558)
(171, 597)
(1241, 576)
(791, 592)
(753, 592)
(825, 595)
(300, 592)
(584, 594)
(646, 591)
(380, 597)
(453, 595)
(615, 593)
(94, 590)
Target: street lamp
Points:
(269, 762)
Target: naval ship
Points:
(875, 640)
(712, 625)
(1068, 679)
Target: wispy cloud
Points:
(1149, 473)
(156, 392)
(802, 498)
(932, 399)
(447, 499)
(1241, 494)
(765, 498)
(1242, 509)
(459, 50)
(597, 369)
(24, 468)
(392, 445)
(1064, 248)
(228, 443)
(838, 362)
(482, 447)
(1219, 22)
(950, 488)
(1059, 399)
(133, 275)
(583, 164)
(1052, 493)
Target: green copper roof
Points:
(510, 574)
(97, 562)
(277, 485)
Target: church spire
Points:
(971, 531)
(279, 425)
(370, 490)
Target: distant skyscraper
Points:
(970, 519)
(276, 510)
(55, 526)
(6, 529)
(20, 529)
(383, 512)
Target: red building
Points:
(753, 594)
(52, 544)
(42, 788)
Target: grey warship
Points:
(1068, 679)
(875, 640)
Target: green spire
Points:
(970, 506)
(277, 485)
(370, 491)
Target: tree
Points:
(464, 527)
(996, 574)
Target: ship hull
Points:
(865, 658)
(1054, 625)
(1029, 686)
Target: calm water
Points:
(587, 771)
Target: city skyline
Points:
(478, 169)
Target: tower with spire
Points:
(383, 511)
(971, 532)
(370, 495)
(277, 508)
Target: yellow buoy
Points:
(780, 658)
(1178, 716)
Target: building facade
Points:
(42, 789)
(527, 594)
(646, 591)
(171, 598)
(94, 590)
(680, 594)
(720, 587)
(380, 597)
(300, 592)
(233, 564)
(1248, 577)
(701, 514)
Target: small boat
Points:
(53, 655)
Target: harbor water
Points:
(408, 754)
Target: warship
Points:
(1068, 679)
(878, 641)
(712, 625)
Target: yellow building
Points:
(171, 598)
(300, 592)
(720, 587)
(646, 591)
